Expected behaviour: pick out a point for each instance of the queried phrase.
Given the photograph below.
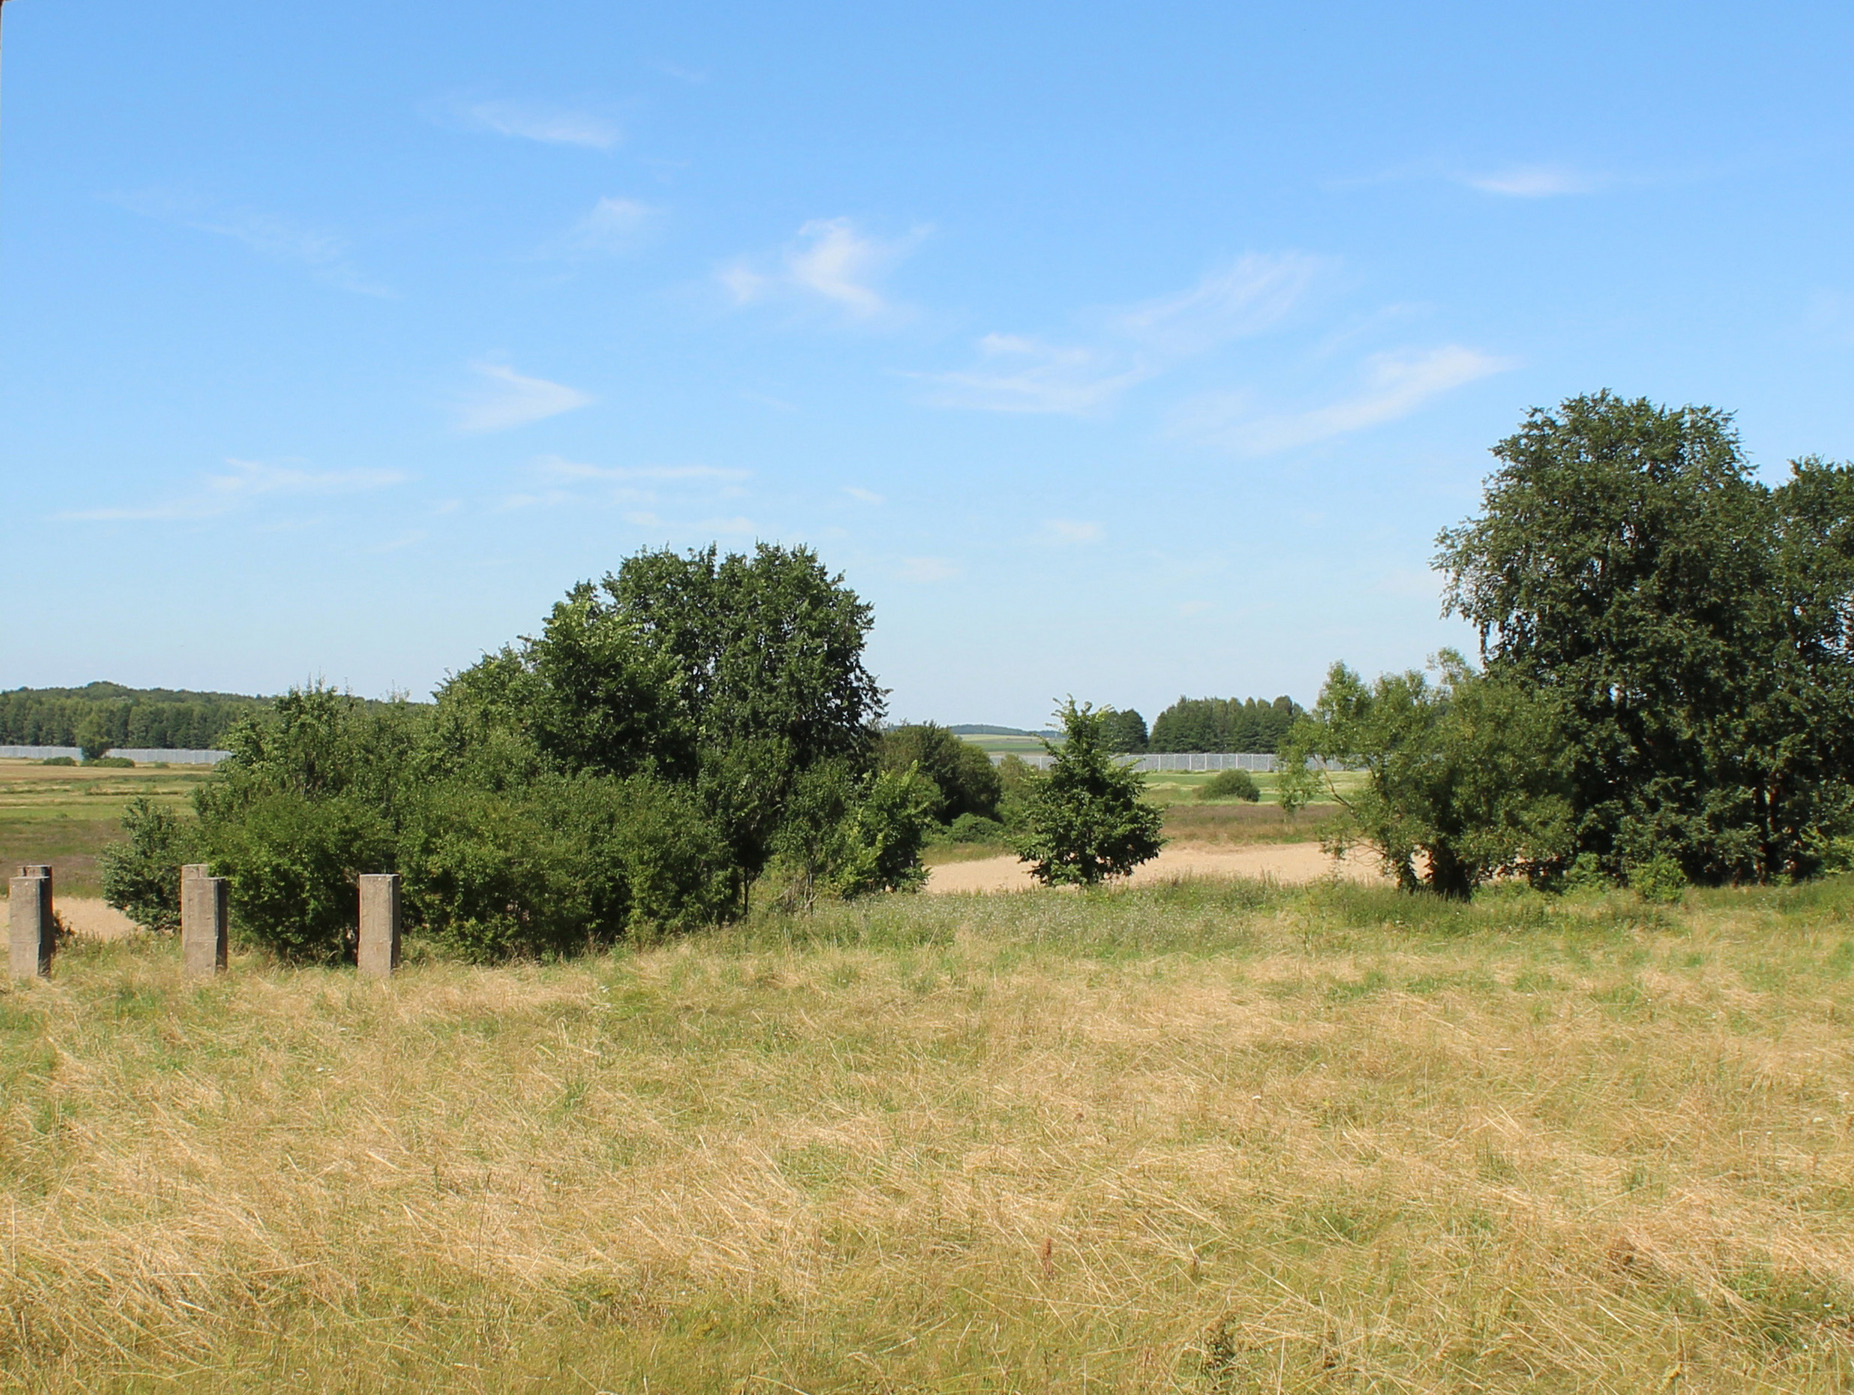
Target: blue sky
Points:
(1126, 351)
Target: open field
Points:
(1189, 1138)
(64, 814)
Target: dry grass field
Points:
(1188, 1138)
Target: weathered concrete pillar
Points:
(32, 933)
(195, 869)
(379, 924)
(205, 921)
(34, 869)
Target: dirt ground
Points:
(1287, 863)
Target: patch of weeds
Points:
(1373, 982)
(1841, 961)
(1535, 981)
(1789, 1310)
(1624, 999)
(137, 1001)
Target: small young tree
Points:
(1465, 778)
(1087, 819)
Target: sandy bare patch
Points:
(92, 917)
(1287, 863)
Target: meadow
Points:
(1199, 1137)
(64, 814)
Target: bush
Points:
(1230, 784)
(965, 780)
(294, 865)
(109, 762)
(1086, 820)
(59, 760)
(141, 874)
(971, 828)
(846, 837)
(1660, 880)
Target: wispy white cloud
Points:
(247, 482)
(323, 253)
(558, 481)
(831, 261)
(1072, 530)
(928, 570)
(558, 467)
(614, 226)
(1022, 373)
(550, 123)
(1532, 181)
(1250, 295)
(1396, 385)
(866, 496)
(505, 399)
(1018, 374)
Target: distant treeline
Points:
(1223, 724)
(107, 714)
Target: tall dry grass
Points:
(1191, 1138)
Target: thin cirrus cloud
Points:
(547, 122)
(564, 481)
(831, 263)
(613, 227)
(1072, 530)
(505, 399)
(1023, 373)
(1396, 384)
(1019, 374)
(247, 483)
(324, 254)
(1531, 182)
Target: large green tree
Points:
(1690, 623)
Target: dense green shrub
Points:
(1465, 777)
(110, 762)
(1660, 880)
(1230, 784)
(1086, 821)
(294, 865)
(964, 778)
(59, 760)
(975, 828)
(141, 874)
(849, 836)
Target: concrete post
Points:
(205, 917)
(195, 869)
(379, 924)
(33, 933)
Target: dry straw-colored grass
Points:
(1203, 1138)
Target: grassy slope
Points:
(63, 814)
(1206, 1139)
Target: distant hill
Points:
(154, 718)
(977, 729)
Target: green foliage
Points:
(59, 760)
(1223, 725)
(1689, 623)
(1465, 776)
(141, 874)
(1125, 730)
(734, 674)
(847, 835)
(1659, 879)
(629, 771)
(131, 717)
(1019, 780)
(975, 828)
(95, 737)
(965, 779)
(294, 864)
(1086, 821)
(1230, 784)
(110, 762)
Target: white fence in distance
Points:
(1182, 760)
(136, 754)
